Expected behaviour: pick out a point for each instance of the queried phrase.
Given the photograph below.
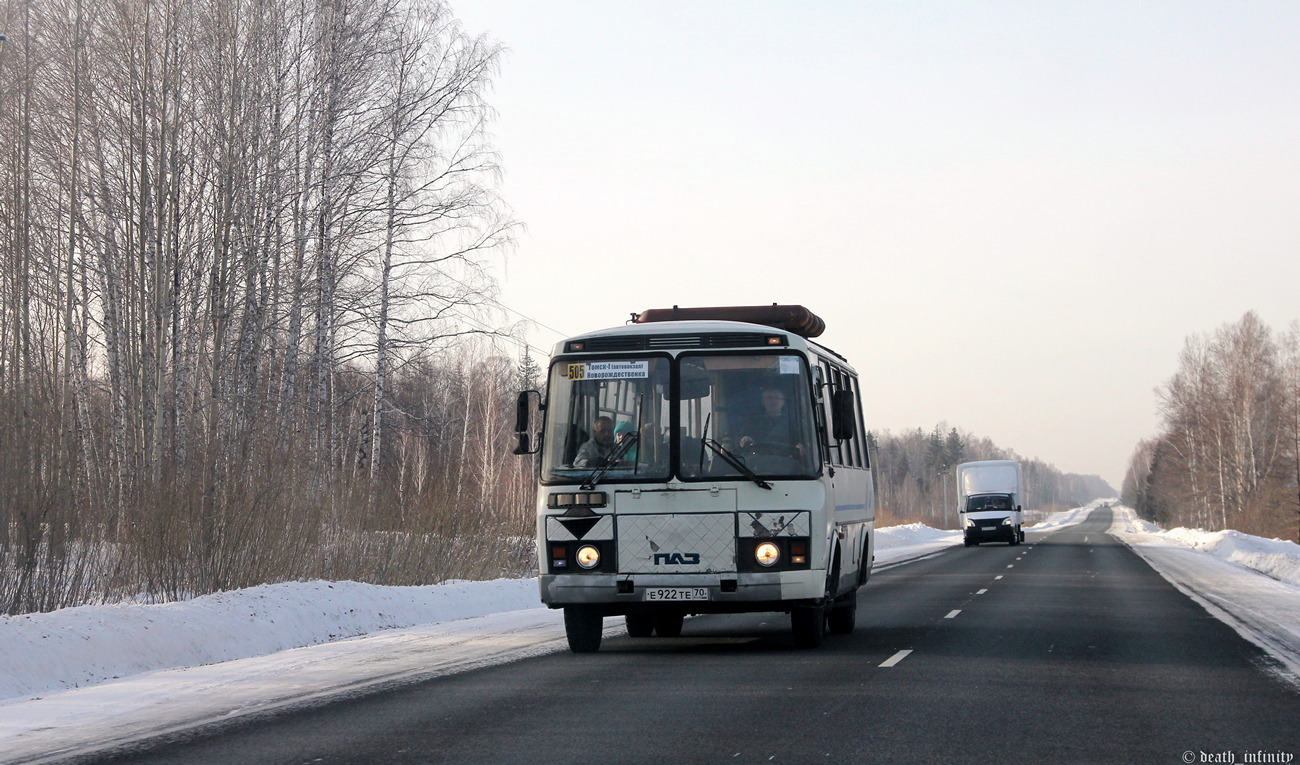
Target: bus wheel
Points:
(669, 624)
(844, 616)
(583, 625)
(808, 626)
(640, 625)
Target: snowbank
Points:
(1276, 558)
(76, 647)
(913, 540)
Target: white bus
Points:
(701, 460)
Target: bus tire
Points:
(669, 624)
(808, 626)
(844, 615)
(640, 624)
(582, 626)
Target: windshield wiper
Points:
(735, 462)
(610, 461)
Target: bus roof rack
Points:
(791, 318)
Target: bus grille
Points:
(686, 543)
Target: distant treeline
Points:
(1228, 454)
(915, 483)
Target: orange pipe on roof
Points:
(791, 318)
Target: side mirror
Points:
(523, 415)
(521, 444)
(843, 421)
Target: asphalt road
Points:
(1067, 649)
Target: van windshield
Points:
(988, 502)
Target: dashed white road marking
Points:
(999, 576)
(892, 660)
(953, 614)
(981, 592)
(1011, 565)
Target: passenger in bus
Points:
(625, 433)
(772, 427)
(597, 448)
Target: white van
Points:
(989, 497)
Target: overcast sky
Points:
(1011, 215)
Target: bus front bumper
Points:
(692, 593)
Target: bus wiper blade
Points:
(736, 463)
(610, 461)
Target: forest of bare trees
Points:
(1228, 454)
(914, 477)
(245, 245)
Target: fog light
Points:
(767, 554)
(588, 556)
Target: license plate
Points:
(989, 528)
(677, 593)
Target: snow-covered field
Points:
(74, 679)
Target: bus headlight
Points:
(588, 556)
(1006, 521)
(767, 554)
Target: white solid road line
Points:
(892, 660)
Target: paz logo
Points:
(677, 559)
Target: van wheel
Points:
(582, 626)
(669, 624)
(844, 616)
(639, 625)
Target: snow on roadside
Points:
(911, 540)
(1275, 558)
(86, 645)
(1069, 517)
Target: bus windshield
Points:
(696, 417)
(609, 414)
(755, 408)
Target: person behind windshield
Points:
(772, 426)
(599, 446)
(625, 433)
